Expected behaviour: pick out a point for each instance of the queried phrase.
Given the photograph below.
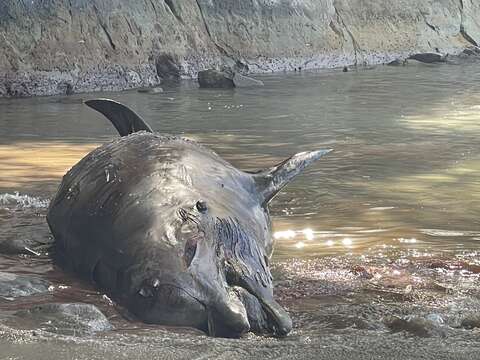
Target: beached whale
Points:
(171, 230)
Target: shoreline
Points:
(117, 78)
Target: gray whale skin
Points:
(172, 231)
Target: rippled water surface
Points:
(376, 244)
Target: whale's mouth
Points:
(246, 312)
(257, 317)
(264, 316)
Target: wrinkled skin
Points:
(172, 231)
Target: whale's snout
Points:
(278, 319)
(265, 316)
(228, 319)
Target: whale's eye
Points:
(201, 206)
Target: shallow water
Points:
(384, 228)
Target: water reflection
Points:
(37, 164)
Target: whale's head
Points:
(215, 274)
(206, 262)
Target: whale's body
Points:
(171, 230)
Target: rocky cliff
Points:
(62, 46)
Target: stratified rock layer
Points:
(59, 46)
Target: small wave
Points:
(449, 233)
(22, 201)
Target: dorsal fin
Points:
(270, 181)
(123, 118)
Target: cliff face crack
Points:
(433, 27)
(463, 32)
(468, 37)
(104, 28)
(153, 6)
(214, 41)
(70, 10)
(173, 10)
(336, 30)
(356, 46)
(129, 25)
(112, 44)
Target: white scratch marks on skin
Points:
(110, 173)
(181, 173)
(169, 236)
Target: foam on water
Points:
(449, 233)
(22, 201)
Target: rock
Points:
(13, 285)
(167, 68)
(416, 325)
(361, 271)
(472, 51)
(428, 58)
(469, 55)
(32, 246)
(215, 79)
(18, 89)
(21, 209)
(435, 318)
(147, 90)
(67, 319)
(471, 322)
(345, 69)
(244, 81)
(65, 88)
(398, 62)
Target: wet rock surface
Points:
(469, 55)
(14, 285)
(245, 81)
(215, 79)
(66, 319)
(398, 62)
(471, 322)
(17, 210)
(167, 68)
(418, 326)
(152, 91)
(429, 58)
(32, 245)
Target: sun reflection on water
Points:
(308, 234)
(25, 163)
(306, 237)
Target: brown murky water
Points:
(377, 244)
